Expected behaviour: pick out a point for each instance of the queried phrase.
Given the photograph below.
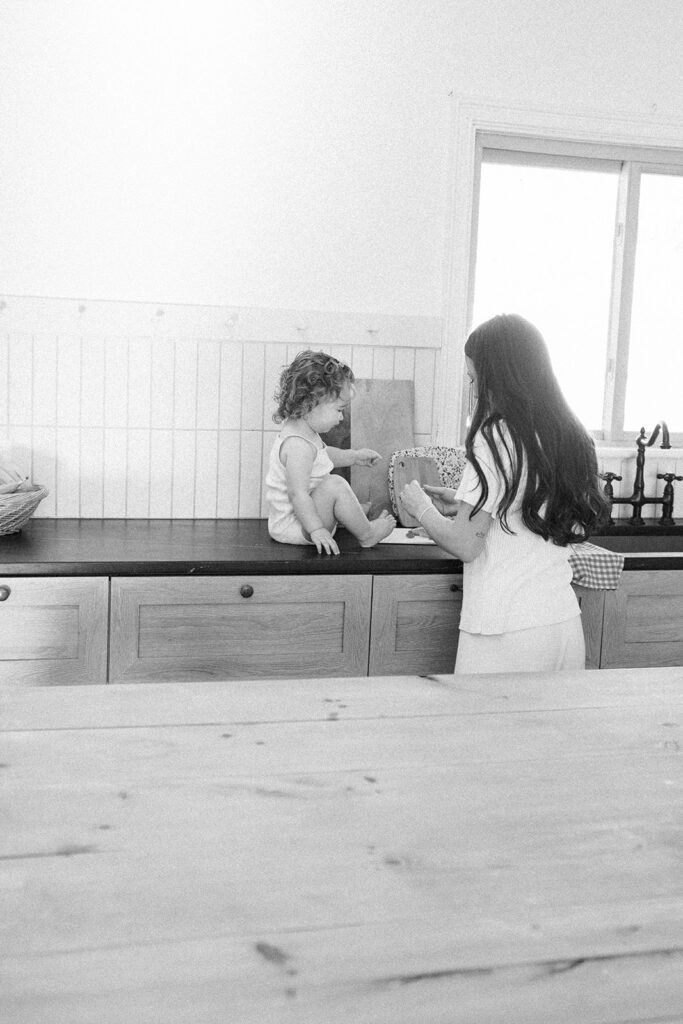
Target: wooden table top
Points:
(397, 850)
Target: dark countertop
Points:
(197, 547)
(237, 547)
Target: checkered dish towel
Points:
(594, 567)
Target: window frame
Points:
(555, 137)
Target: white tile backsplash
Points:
(162, 382)
(206, 474)
(138, 472)
(91, 478)
(383, 364)
(230, 386)
(114, 482)
(91, 396)
(425, 369)
(250, 472)
(160, 474)
(67, 489)
(183, 474)
(253, 383)
(185, 389)
(68, 384)
(139, 385)
(45, 380)
(20, 380)
(142, 409)
(228, 488)
(208, 385)
(115, 382)
(4, 379)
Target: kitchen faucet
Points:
(639, 498)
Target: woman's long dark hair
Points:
(517, 389)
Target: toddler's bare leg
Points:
(334, 500)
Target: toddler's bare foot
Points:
(380, 528)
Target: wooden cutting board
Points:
(382, 418)
(413, 467)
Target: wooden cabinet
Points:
(53, 630)
(414, 627)
(592, 605)
(233, 627)
(59, 629)
(643, 621)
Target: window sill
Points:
(629, 450)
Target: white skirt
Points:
(554, 648)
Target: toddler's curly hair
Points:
(309, 378)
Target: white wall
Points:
(272, 155)
(279, 153)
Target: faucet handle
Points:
(609, 477)
(669, 477)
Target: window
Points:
(589, 247)
(654, 384)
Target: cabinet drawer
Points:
(53, 630)
(643, 619)
(238, 627)
(415, 624)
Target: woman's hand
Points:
(324, 541)
(366, 457)
(444, 499)
(414, 499)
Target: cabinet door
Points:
(238, 627)
(643, 623)
(53, 630)
(592, 605)
(414, 624)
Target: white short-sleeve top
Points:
(519, 580)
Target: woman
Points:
(530, 488)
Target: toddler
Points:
(306, 500)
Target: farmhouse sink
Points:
(641, 543)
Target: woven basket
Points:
(16, 509)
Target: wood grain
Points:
(643, 623)
(394, 850)
(165, 627)
(413, 467)
(415, 623)
(592, 605)
(54, 631)
(382, 418)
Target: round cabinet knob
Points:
(246, 590)
(454, 588)
(5, 593)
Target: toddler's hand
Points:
(324, 541)
(367, 457)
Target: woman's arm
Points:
(459, 536)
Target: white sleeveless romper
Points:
(283, 524)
